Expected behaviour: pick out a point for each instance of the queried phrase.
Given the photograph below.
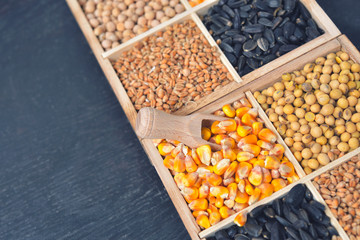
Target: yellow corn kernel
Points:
(225, 212)
(165, 148)
(286, 169)
(293, 178)
(219, 202)
(212, 208)
(257, 127)
(178, 179)
(227, 181)
(195, 157)
(203, 221)
(232, 187)
(275, 173)
(228, 143)
(203, 170)
(229, 125)
(272, 162)
(169, 162)
(249, 189)
(214, 218)
(215, 129)
(240, 219)
(190, 179)
(259, 162)
(252, 161)
(190, 164)
(241, 185)
(230, 171)
(199, 205)
(245, 102)
(205, 133)
(219, 191)
(235, 136)
(190, 192)
(177, 150)
(249, 139)
(278, 184)
(278, 149)
(179, 163)
(247, 119)
(241, 197)
(219, 138)
(229, 153)
(198, 183)
(266, 189)
(229, 203)
(213, 179)
(212, 200)
(267, 135)
(243, 130)
(265, 145)
(241, 111)
(256, 176)
(221, 166)
(197, 213)
(204, 153)
(229, 110)
(255, 197)
(240, 206)
(244, 156)
(216, 157)
(204, 191)
(243, 170)
(253, 112)
(266, 175)
(252, 148)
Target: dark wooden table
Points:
(70, 165)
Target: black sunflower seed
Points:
(276, 22)
(288, 29)
(226, 47)
(304, 12)
(289, 5)
(304, 235)
(274, 3)
(249, 45)
(249, 54)
(255, 28)
(241, 237)
(263, 14)
(228, 10)
(293, 233)
(266, 22)
(263, 44)
(253, 229)
(239, 38)
(231, 57)
(283, 221)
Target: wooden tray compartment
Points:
(114, 54)
(319, 16)
(174, 192)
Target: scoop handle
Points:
(156, 124)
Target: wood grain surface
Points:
(70, 164)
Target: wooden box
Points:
(258, 79)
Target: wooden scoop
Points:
(156, 124)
